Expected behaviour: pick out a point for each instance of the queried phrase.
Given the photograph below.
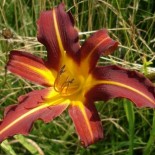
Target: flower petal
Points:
(20, 118)
(114, 81)
(56, 31)
(97, 44)
(30, 67)
(87, 122)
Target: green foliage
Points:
(127, 130)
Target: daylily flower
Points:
(72, 79)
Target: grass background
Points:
(127, 130)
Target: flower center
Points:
(66, 84)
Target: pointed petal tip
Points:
(87, 123)
(99, 43)
(112, 45)
(114, 81)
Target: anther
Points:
(62, 70)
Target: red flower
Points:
(72, 78)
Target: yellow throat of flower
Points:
(66, 83)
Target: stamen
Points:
(65, 83)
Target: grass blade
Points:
(7, 148)
(148, 148)
(131, 120)
(30, 145)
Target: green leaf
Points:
(30, 145)
(7, 148)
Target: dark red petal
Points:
(114, 81)
(30, 67)
(87, 122)
(20, 118)
(56, 31)
(97, 44)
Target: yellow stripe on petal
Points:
(31, 112)
(91, 82)
(82, 108)
(87, 61)
(58, 33)
(92, 51)
(127, 87)
(48, 75)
